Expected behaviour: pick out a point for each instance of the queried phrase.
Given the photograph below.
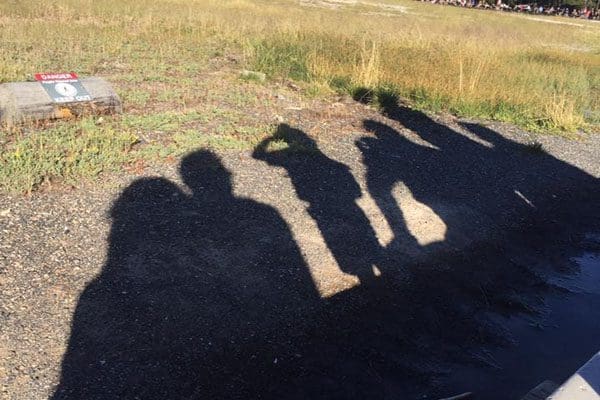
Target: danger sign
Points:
(63, 87)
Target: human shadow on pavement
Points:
(481, 186)
(514, 214)
(203, 295)
(206, 295)
(331, 192)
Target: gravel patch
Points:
(318, 273)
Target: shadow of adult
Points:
(331, 192)
(201, 296)
(480, 186)
(514, 215)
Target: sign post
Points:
(63, 88)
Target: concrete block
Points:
(584, 385)
(28, 101)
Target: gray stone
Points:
(28, 101)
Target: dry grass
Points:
(543, 75)
(480, 63)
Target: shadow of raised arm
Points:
(260, 151)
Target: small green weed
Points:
(535, 147)
(281, 57)
(253, 76)
(134, 97)
(385, 97)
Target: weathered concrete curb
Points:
(28, 101)
(584, 385)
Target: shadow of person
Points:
(201, 296)
(331, 192)
(480, 186)
(514, 216)
(204, 294)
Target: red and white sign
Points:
(63, 87)
(64, 77)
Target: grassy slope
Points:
(542, 75)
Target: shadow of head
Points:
(203, 172)
(295, 139)
(381, 131)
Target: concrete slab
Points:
(583, 385)
(28, 101)
(541, 391)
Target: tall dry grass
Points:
(541, 74)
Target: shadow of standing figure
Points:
(331, 191)
(478, 185)
(199, 295)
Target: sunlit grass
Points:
(476, 63)
(543, 75)
(65, 152)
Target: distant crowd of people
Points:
(534, 8)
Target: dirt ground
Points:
(362, 260)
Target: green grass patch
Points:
(135, 98)
(66, 152)
(281, 57)
(72, 151)
(239, 138)
(166, 121)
